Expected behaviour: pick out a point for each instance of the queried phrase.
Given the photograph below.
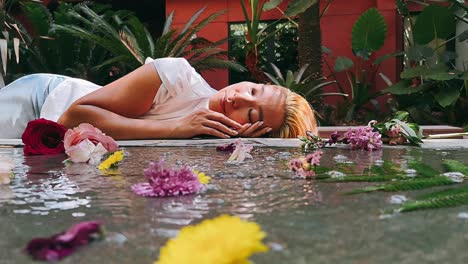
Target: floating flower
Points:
(230, 147)
(168, 182)
(241, 152)
(43, 137)
(112, 160)
(86, 151)
(222, 240)
(6, 167)
(304, 166)
(86, 143)
(202, 177)
(61, 245)
(364, 138)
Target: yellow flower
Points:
(222, 240)
(202, 177)
(111, 160)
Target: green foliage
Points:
(450, 198)
(435, 21)
(342, 64)
(423, 170)
(455, 166)
(310, 89)
(375, 178)
(430, 85)
(407, 185)
(369, 33)
(130, 43)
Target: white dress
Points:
(182, 91)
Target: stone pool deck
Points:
(278, 142)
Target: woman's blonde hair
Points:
(299, 117)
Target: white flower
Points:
(86, 151)
(241, 152)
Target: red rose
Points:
(42, 137)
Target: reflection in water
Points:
(304, 219)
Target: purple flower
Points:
(301, 167)
(314, 158)
(334, 138)
(61, 245)
(227, 147)
(363, 138)
(167, 182)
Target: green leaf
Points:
(369, 31)
(401, 115)
(453, 166)
(271, 4)
(406, 185)
(296, 7)
(375, 178)
(449, 200)
(442, 75)
(388, 56)
(447, 96)
(435, 21)
(343, 63)
(422, 169)
(401, 87)
(418, 53)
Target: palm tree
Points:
(310, 41)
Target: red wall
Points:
(336, 29)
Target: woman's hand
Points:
(257, 129)
(205, 122)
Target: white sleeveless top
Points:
(182, 92)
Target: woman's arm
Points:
(115, 108)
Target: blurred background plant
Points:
(368, 35)
(434, 84)
(94, 42)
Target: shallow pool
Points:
(306, 221)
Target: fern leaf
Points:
(439, 202)
(452, 191)
(375, 178)
(453, 165)
(423, 170)
(406, 185)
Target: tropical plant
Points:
(431, 83)
(309, 87)
(130, 43)
(11, 38)
(50, 51)
(368, 35)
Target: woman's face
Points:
(248, 102)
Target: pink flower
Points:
(167, 182)
(314, 158)
(86, 151)
(394, 131)
(61, 245)
(87, 131)
(301, 167)
(86, 143)
(363, 138)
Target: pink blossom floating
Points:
(167, 182)
(61, 245)
(304, 166)
(363, 138)
(86, 143)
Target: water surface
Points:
(306, 221)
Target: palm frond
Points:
(375, 178)
(449, 200)
(453, 165)
(406, 185)
(209, 63)
(422, 169)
